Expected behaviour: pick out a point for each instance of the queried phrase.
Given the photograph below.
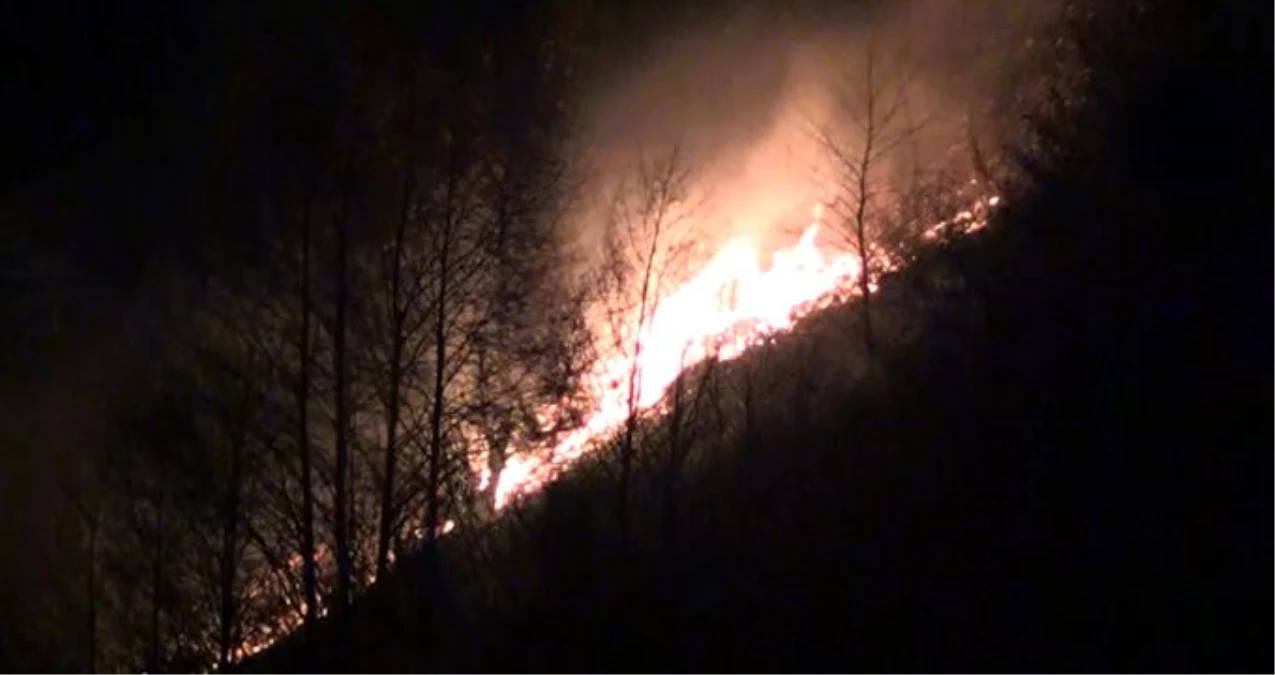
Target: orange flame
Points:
(730, 304)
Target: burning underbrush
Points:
(716, 368)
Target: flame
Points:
(729, 305)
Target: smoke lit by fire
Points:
(733, 302)
(748, 289)
(730, 304)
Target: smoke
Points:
(744, 93)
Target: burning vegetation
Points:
(529, 332)
(395, 384)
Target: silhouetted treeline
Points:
(1045, 445)
(1066, 468)
(370, 280)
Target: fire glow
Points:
(731, 304)
(718, 313)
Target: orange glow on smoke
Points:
(730, 304)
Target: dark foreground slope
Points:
(1070, 468)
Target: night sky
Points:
(105, 101)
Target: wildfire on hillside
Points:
(730, 304)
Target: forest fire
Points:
(718, 313)
(484, 328)
(733, 296)
(729, 305)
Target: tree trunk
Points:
(92, 596)
(645, 306)
(434, 478)
(433, 511)
(229, 547)
(750, 406)
(397, 321)
(157, 580)
(309, 572)
(341, 516)
(865, 289)
(626, 469)
(860, 226)
(673, 465)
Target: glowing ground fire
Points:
(729, 305)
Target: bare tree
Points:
(230, 516)
(302, 398)
(341, 402)
(148, 447)
(310, 585)
(452, 215)
(532, 347)
(84, 488)
(91, 586)
(394, 366)
(682, 422)
(646, 243)
(872, 122)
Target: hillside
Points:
(1002, 493)
(305, 321)
(1067, 466)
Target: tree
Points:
(682, 422)
(870, 125)
(646, 248)
(302, 397)
(341, 403)
(395, 367)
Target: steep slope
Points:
(1068, 466)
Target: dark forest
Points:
(561, 335)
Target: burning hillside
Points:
(728, 305)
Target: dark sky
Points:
(85, 76)
(109, 108)
(97, 97)
(127, 124)
(106, 106)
